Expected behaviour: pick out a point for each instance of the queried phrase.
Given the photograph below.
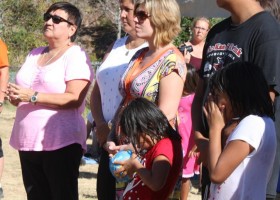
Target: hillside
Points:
(21, 25)
(98, 28)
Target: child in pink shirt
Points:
(190, 166)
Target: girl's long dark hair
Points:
(140, 117)
(246, 87)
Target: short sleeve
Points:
(250, 130)
(78, 65)
(3, 54)
(165, 148)
(268, 60)
(174, 63)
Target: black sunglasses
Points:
(56, 19)
(141, 15)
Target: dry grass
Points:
(12, 180)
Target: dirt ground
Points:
(12, 180)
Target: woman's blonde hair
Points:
(201, 19)
(165, 17)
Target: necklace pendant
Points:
(127, 53)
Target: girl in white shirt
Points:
(239, 101)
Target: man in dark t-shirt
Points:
(274, 8)
(250, 34)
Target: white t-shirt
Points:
(108, 76)
(249, 179)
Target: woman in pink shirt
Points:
(49, 131)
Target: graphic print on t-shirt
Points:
(219, 55)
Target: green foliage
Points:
(215, 20)
(21, 28)
(20, 42)
(185, 34)
(101, 37)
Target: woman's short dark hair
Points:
(74, 14)
(246, 87)
(141, 116)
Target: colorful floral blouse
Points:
(145, 83)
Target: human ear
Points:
(72, 31)
(222, 107)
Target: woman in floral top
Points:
(157, 72)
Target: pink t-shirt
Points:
(37, 127)
(190, 166)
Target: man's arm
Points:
(4, 72)
(201, 141)
(4, 78)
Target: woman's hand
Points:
(102, 131)
(73, 96)
(18, 94)
(187, 56)
(112, 148)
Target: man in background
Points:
(273, 7)
(4, 78)
(249, 34)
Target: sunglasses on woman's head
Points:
(141, 15)
(56, 19)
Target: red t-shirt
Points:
(172, 149)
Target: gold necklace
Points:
(52, 56)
